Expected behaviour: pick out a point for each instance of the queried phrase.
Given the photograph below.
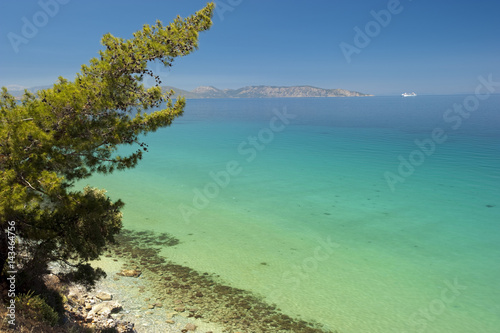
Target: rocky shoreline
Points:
(173, 296)
(145, 293)
(120, 303)
(101, 311)
(97, 311)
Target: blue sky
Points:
(427, 46)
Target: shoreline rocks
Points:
(103, 296)
(144, 292)
(95, 311)
(195, 297)
(130, 273)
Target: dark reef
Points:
(201, 295)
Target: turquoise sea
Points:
(372, 214)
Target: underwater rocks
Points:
(130, 273)
(104, 296)
(190, 327)
(103, 309)
(191, 294)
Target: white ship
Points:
(408, 94)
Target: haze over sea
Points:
(290, 199)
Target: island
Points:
(264, 92)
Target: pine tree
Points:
(51, 139)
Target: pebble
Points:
(103, 296)
(190, 327)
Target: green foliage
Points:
(57, 136)
(36, 308)
(85, 275)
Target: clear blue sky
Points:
(429, 46)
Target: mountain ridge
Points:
(260, 91)
(263, 91)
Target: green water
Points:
(304, 216)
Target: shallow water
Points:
(290, 199)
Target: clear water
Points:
(300, 210)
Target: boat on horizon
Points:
(408, 94)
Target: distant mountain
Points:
(18, 91)
(265, 92)
(245, 92)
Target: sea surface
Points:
(365, 214)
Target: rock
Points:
(51, 281)
(116, 316)
(104, 309)
(130, 273)
(190, 327)
(125, 328)
(73, 295)
(179, 308)
(103, 296)
(76, 296)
